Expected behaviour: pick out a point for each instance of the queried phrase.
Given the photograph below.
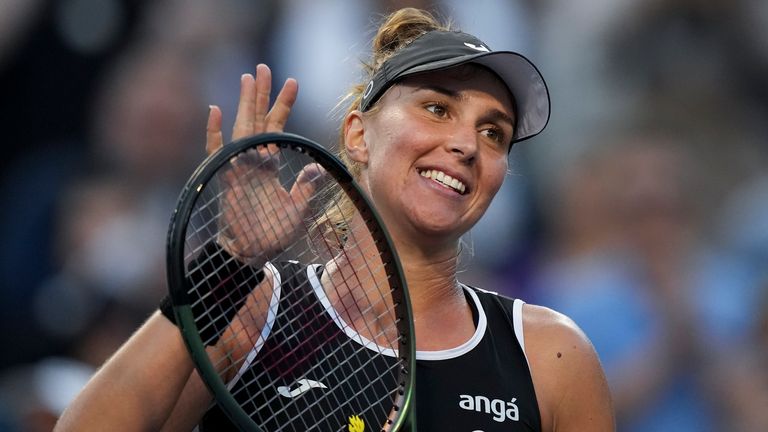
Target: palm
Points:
(259, 216)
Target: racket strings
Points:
(250, 280)
(369, 329)
(364, 400)
(322, 195)
(364, 403)
(363, 386)
(363, 276)
(358, 402)
(355, 275)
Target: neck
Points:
(441, 314)
(429, 269)
(431, 276)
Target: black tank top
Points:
(483, 385)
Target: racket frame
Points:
(404, 416)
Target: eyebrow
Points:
(493, 115)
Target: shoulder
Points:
(566, 371)
(556, 346)
(555, 327)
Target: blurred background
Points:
(641, 211)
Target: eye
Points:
(437, 109)
(495, 134)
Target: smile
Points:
(445, 180)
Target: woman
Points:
(438, 103)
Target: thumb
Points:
(307, 183)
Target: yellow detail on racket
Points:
(356, 424)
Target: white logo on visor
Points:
(368, 89)
(482, 48)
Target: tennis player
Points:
(427, 135)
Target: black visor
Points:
(437, 50)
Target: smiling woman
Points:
(426, 135)
(440, 124)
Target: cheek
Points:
(394, 129)
(494, 177)
(392, 149)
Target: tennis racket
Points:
(289, 293)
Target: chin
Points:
(443, 226)
(445, 230)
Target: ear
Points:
(354, 137)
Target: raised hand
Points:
(259, 217)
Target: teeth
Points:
(445, 179)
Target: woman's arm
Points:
(137, 387)
(141, 385)
(570, 383)
(236, 342)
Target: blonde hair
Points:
(396, 31)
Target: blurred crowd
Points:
(641, 212)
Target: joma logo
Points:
(500, 409)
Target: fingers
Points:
(263, 83)
(280, 111)
(213, 137)
(253, 112)
(254, 115)
(246, 108)
(309, 180)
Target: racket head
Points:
(197, 222)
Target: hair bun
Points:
(401, 28)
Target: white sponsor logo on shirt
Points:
(500, 409)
